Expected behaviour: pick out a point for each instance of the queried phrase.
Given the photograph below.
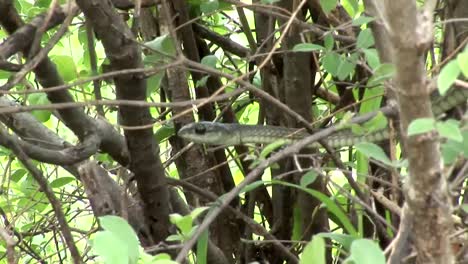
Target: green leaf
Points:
(345, 68)
(252, 186)
(297, 231)
(365, 39)
(378, 122)
(314, 252)
(4, 74)
(197, 211)
(164, 132)
(184, 223)
(66, 67)
(308, 178)
(447, 76)
(209, 6)
(351, 6)
(272, 147)
(307, 47)
(175, 237)
(40, 99)
(451, 149)
(372, 99)
(382, 73)
(462, 60)
(328, 5)
(328, 42)
(110, 248)
(361, 20)
(332, 207)
(18, 175)
(421, 125)
(464, 207)
(210, 61)
(62, 181)
(365, 251)
(269, 2)
(123, 233)
(372, 58)
(164, 45)
(449, 129)
(202, 248)
(357, 129)
(373, 151)
(330, 63)
(153, 83)
(343, 239)
(202, 81)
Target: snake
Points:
(230, 134)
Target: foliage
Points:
(348, 79)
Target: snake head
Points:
(206, 133)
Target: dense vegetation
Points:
(94, 92)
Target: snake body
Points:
(237, 134)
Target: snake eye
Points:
(200, 129)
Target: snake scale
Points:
(237, 134)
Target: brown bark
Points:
(427, 197)
(145, 163)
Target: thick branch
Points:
(124, 53)
(427, 196)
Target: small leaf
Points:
(40, 99)
(361, 20)
(252, 186)
(308, 178)
(59, 182)
(331, 206)
(378, 122)
(365, 39)
(66, 67)
(269, 2)
(202, 81)
(345, 68)
(450, 151)
(124, 233)
(210, 61)
(328, 5)
(202, 248)
(164, 132)
(110, 248)
(343, 239)
(351, 6)
(365, 251)
(163, 44)
(449, 129)
(372, 58)
(464, 207)
(447, 76)
(307, 47)
(357, 129)
(18, 175)
(328, 42)
(373, 151)
(209, 6)
(462, 60)
(272, 147)
(185, 224)
(175, 237)
(314, 252)
(197, 211)
(421, 125)
(330, 63)
(153, 83)
(382, 72)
